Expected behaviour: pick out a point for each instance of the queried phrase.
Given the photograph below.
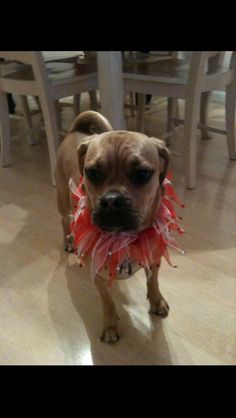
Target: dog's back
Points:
(86, 124)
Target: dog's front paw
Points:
(161, 308)
(110, 335)
(69, 248)
(69, 244)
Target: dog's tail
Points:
(90, 122)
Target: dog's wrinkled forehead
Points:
(123, 148)
(118, 151)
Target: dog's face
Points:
(123, 173)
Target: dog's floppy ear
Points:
(164, 155)
(82, 150)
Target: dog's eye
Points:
(94, 175)
(141, 176)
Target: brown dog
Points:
(123, 175)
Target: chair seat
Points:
(57, 71)
(168, 70)
(61, 55)
(143, 57)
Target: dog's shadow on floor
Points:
(134, 347)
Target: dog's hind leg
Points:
(64, 207)
(158, 305)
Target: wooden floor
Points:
(50, 311)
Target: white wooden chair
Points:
(179, 79)
(51, 57)
(34, 79)
(136, 57)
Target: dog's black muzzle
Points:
(115, 213)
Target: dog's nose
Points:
(112, 200)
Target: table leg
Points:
(111, 88)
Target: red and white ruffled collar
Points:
(114, 251)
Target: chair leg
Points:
(27, 118)
(50, 120)
(132, 103)
(37, 101)
(176, 111)
(204, 109)
(190, 140)
(5, 130)
(230, 99)
(140, 113)
(93, 100)
(58, 113)
(173, 105)
(77, 98)
(26, 112)
(171, 113)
